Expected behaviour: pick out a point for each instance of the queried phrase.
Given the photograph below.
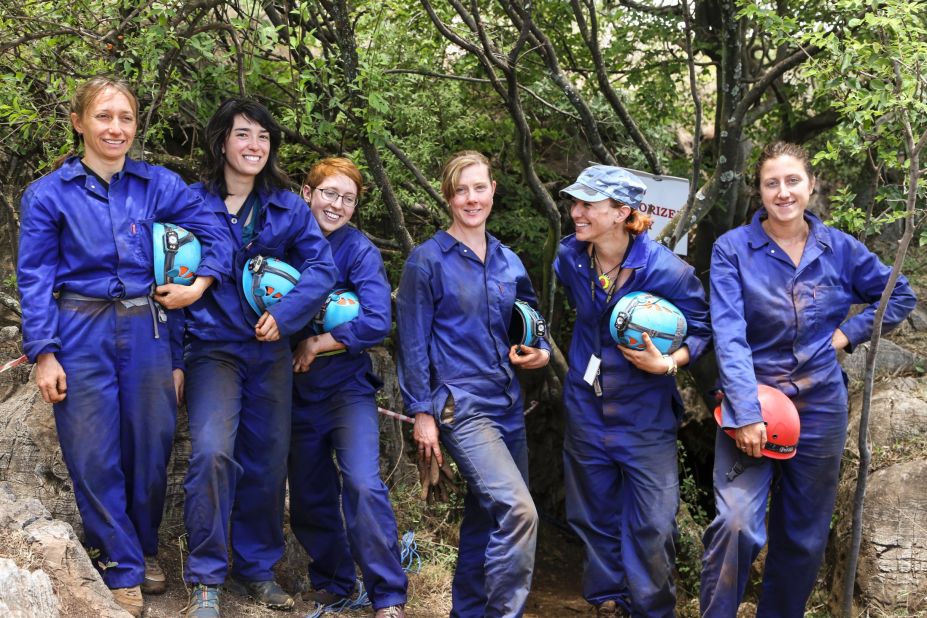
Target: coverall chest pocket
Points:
(140, 239)
(830, 306)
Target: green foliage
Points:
(871, 72)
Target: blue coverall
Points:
(773, 324)
(239, 393)
(453, 313)
(92, 244)
(620, 469)
(334, 408)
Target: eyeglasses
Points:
(331, 196)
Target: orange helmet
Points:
(782, 423)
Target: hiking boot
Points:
(204, 602)
(393, 611)
(155, 582)
(610, 609)
(323, 597)
(268, 593)
(129, 599)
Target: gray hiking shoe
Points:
(204, 602)
(268, 593)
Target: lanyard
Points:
(252, 207)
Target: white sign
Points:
(665, 197)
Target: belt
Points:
(157, 311)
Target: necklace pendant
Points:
(604, 281)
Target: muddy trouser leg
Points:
(261, 447)
(213, 392)
(315, 501)
(650, 501)
(593, 485)
(800, 512)
(368, 513)
(499, 531)
(115, 429)
(738, 532)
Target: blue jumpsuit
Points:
(239, 392)
(453, 313)
(773, 324)
(93, 245)
(334, 408)
(620, 470)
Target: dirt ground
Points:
(556, 592)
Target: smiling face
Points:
(785, 189)
(596, 220)
(471, 202)
(329, 214)
(108, 128)
(246, 148)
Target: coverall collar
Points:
(72, 169)
(817, 243)
(448, 242)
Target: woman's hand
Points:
(839, 340)
(425, 434)
(50, 378)
(650, 359)
(178, 376)
(266, 328)
(529, 358)
(304, 354)
(751, 439)
(176, 296)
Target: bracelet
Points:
(671, 367)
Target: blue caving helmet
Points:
(341, 306)
(265, 280)
(527, 325)
(177, 254)
(642, 312)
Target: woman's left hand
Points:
(529, 358)
(650, 359)
(266, 328)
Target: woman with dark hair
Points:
(781, 289)
(335, 410)
(623, 407)
(101, 348)
(238, 364)
(457, 375)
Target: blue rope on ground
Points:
(411, 562)
(409, 556)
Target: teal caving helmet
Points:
(642, 312)
(177, 254)
(341, 306)
(265, 280)
(527, 326)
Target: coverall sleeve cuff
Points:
(856, 333)
(42, 346)
(418, 408)
(344, 335)
(208, 271)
